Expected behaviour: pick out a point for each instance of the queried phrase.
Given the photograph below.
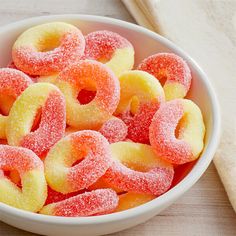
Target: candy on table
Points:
(177, 131)
(88, 146)
(140, 97)
(136, 168)
(170, 69)
(131, 200)
(88, 74)
(34, 188)
(48, 48)
(97, 202)
(114, 130)
(12, 84)
(43, 97)
(110, 48)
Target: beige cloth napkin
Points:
(206, 29)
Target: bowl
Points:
(145, 43)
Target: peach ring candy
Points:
(140, 97)
(48, 48)
(131, 200)
(87, 74)
(114, 130)
(173, 70)
(177, 131)
(32, 195)
(12, 84)
(97, 202)
(137, 168)
(77, 161)
(110, 48)
(46, 100)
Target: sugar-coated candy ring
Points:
(12, 84)
(40, 96)
(114, 130)
(136, 168)
(111, 48)
(97, 202)
(33, 194)
(48, 48)
(173, 69)
(141, 95)
(88, 74)
(131, 200)
(177, 131)
(13, 66)
(60, 173)
(54, 196)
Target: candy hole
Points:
(6, 103)
(14, 176)
(180, 126)
(49, 42)
(134, 105)
(37, 119)
(137, 166)
(162, 77)
(86, 96)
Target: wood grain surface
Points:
(205, 209)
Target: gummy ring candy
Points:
(173, 69)
(12, 84)
(114, 130)
(65, 177)
(97, 202)
(110, 48)
(43, 97)
(131, 200)
(140, 97)
(54, 196)
(84, 75)
(177, 131)
(34, 187)
(48, 48)
(136, 168)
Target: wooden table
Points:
(205, 209)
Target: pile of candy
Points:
(83, 134)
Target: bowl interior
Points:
(144, 46)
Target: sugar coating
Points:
(101, 45)
(162, 133)
(131, 171)
(54, 196)
(140, 97)
(28, 54)
(51, 128)
(138, 124)
(13, 66)
(89, 74)
(12, 84)
(88, 146)
(33, 192)
(97, 202)
(48, 99)
(18, 158)
(170, 67)
(114, 130)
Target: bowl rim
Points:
(165, 199)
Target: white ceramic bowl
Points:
(145, 43)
